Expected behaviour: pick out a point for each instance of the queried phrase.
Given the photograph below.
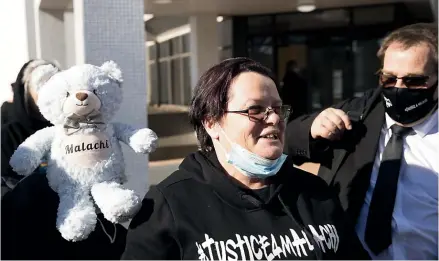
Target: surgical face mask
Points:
(250, 164)
(405, 105)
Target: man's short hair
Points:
(412, 35)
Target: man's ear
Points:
(211, 128)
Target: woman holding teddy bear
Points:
(29, 207)
(240, 197)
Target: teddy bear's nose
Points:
(81, 96)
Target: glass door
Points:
(329, 70)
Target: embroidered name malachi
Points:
(87, 146)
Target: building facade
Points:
(163, 46)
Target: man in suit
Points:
(379, 152)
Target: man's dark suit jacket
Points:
(346, 165)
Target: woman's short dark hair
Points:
(211, 94)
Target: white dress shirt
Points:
(415, 215)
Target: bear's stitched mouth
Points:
(82, 105)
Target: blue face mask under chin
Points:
(250, 164)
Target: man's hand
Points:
(330, 124)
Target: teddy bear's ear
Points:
(41, 75)
(112, 70)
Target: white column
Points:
(69, 38)
(36, 9)
(15, 48)
(203, 44)
(114, 30)
(51, 36)
(434, 8)
(31, 34)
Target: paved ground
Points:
(159, 170)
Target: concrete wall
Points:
(15, 47)
(113, 30)
(52, 36)
(69, 39)
(203, 45)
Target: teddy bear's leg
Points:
(118, 204)
(76, 214)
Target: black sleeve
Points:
(12, 135)
(298, 138)
(9, 220)
(15, 230)
(5, 108)
(299, 143)
(152, 232)
(7, 149)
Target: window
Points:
(164, 82)
(164, 49)
(168, 81)
(153, 81)
(366, 64)
(187, 84)
(176, 82)
(186, 43)
(260, 24)
(262, 54)
(261, 49)
(169, 65)
(152, 52)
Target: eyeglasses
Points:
(260, 113)
(388, 80)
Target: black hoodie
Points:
(29, 208)
(18, 123)
(199, 212)
(28, 227)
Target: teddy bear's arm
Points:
(140, 140)
(28, 155)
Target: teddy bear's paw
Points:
(77, 224)
(23, 161)
(144, 141)
(118, 204)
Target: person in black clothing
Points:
(379, 151)
(29, 206)
(5, 108)
(28, 220)
(294, 91)
(240, 197)
(20, 119)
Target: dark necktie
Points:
(378, 235)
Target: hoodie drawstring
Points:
(112, 238)
(308, 233)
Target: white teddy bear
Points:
(85, 161)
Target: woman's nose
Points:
(272, 117)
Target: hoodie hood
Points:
(21, 121)
(205, 167)
(200, 212)
(22, 109)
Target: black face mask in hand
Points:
(406, 105)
